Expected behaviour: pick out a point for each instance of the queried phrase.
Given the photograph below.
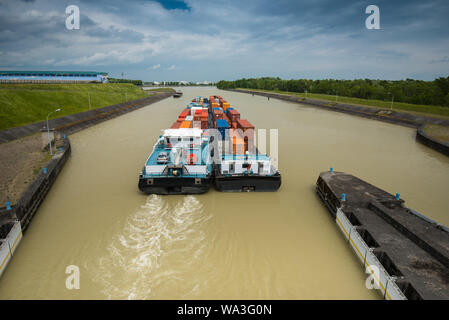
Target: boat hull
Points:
(247, 183)
(174, 185)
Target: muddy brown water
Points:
(281, 245)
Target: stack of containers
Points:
(183, 115)
(225, 117)
(234, 116)
(225, 105)
(218, 114)
(176, 125)
(186, 124)
(197, 115)
(222, 126)
(238, 144)
(204, 119)
(245, 125)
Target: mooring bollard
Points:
(8, 205)
(44, 170)
(343, 197)
(332, 170)
(398, 196)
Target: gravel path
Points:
(20, 161)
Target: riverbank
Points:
(400, 118)
(424, 110)
(21, 104)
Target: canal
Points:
(281, 245)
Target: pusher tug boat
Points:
(179, 164)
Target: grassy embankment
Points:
(434, 111)
(21, 104)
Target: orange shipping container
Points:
(186, 124)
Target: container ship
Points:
(208, 145)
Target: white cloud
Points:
(154, 67)
(172, 67)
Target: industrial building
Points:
(52, 76)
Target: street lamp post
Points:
(48, 130)
(392, 100)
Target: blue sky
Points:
(197, 40)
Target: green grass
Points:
(22, 104)
(379, 104)
(438, 132)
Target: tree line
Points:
(434, 92)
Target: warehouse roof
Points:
(7, 72)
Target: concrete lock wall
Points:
(33, 196)
(8, 245)
(431, 142)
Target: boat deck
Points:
(200, 154)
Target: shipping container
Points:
(189, 118)
(244, 124)
(175, 125)
(233, 114)
(186, 124)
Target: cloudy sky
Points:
(199, 40)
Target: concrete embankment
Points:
(15, 218)
(422, 137)
(78, 121)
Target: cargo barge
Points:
(208, 145)
(241, 167)
(406, 253)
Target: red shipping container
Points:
(175, 125)
(244, 124)
(234, 114)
